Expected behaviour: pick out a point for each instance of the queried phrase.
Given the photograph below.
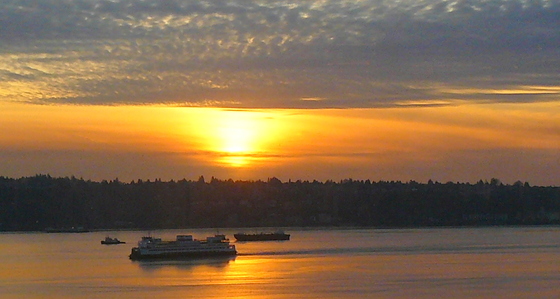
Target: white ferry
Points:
(183, 247)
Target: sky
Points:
(299, 90)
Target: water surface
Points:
(521, 262)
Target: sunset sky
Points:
(301, 90)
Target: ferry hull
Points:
(112, 242)
(136, 255)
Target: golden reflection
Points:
(256, 271)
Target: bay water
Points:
(492, 262)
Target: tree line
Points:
(41, 202)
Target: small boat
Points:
(275, 236)
(111, 241)
(184, 246)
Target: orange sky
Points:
(329, 89)
(464, 142)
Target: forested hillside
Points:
(39, 202)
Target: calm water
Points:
(368, 263)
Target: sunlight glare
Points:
(238, 138)
(237, 135)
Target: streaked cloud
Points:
(294, 54)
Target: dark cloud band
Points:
(276, 53)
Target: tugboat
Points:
(184, 246)
(275, 236)
(111, 241)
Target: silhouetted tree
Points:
(41, 201)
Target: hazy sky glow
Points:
(331, 89)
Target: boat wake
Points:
(510, 248)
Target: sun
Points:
(237, 138)
(236, 141)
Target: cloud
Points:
(275, 53)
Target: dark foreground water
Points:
(355, 263)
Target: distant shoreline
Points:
(42, 202)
